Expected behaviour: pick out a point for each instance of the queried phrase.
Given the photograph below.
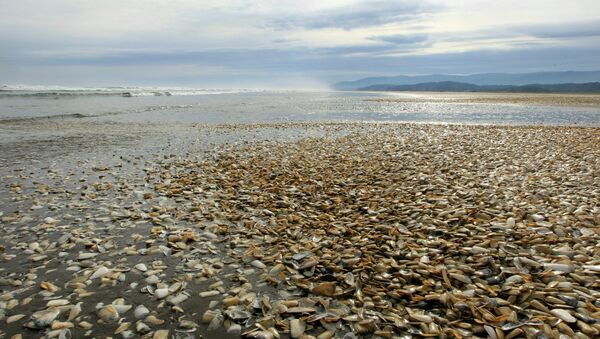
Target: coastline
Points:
(375, 227)
(541, 99)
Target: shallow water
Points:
(268, 106)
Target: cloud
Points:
(354, 50)
(401, 39)
(563, 30)
(236, 41)
(359, 14)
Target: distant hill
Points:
(452, 86)
(516, 79)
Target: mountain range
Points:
(483, 79)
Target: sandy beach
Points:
(300, 229)
(345, 169)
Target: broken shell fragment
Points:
(326, 289)
(108, 313)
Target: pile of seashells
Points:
(379, 231)
(453, 231)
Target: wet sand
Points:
(326, 229)
(542, 99)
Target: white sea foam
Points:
(27, 90)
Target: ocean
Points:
(188, 105)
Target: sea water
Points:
(136, 104)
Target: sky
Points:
(285, 43)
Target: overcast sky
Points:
(281, 43)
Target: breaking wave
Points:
(58, 91)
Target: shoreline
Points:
(227, 217)
(542, 99)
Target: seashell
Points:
(326, 289)
(308, 263)
(57, 302)
(161, 334)
(187, 324)
(74, 311)
(460, 277)
(234, 329)
(595, 268)
(258, 264)
(478, 250)
(122, 308)
(537, 217)
(151, 319)
(293, 310)
(86, 255)
(365, 326)
(559, 267)
(237, 314)
(349, 279)
(326, 335)
(564, 315)
(141, 267)
(140, 312)
(127, 334)
(60, 334)
(207, 294)
(85, 325)
(14, 318)
(122, 328)
(538, 305)
(12, 304)
(176, 287)
(43, 319)
(232, 301)
(216, 322)
(58, 325)
(48, 286)
(141, 327)
(587, 329)
(566, 329)
(50, 220)
(208, 316)
(152, 280)
(100, 272)
(108, 313)
(161, 293)
(421, 318)
(177, 299)
(491, 332)
(297, 328)
(301, 255)
(513, 280)
(262, 335)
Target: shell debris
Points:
(352, 230)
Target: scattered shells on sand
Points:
(368, 230)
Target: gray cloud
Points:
(570, 30)
(342, 60)
(355, 49)
(241, 44)
(359, 14)
(401, 39)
